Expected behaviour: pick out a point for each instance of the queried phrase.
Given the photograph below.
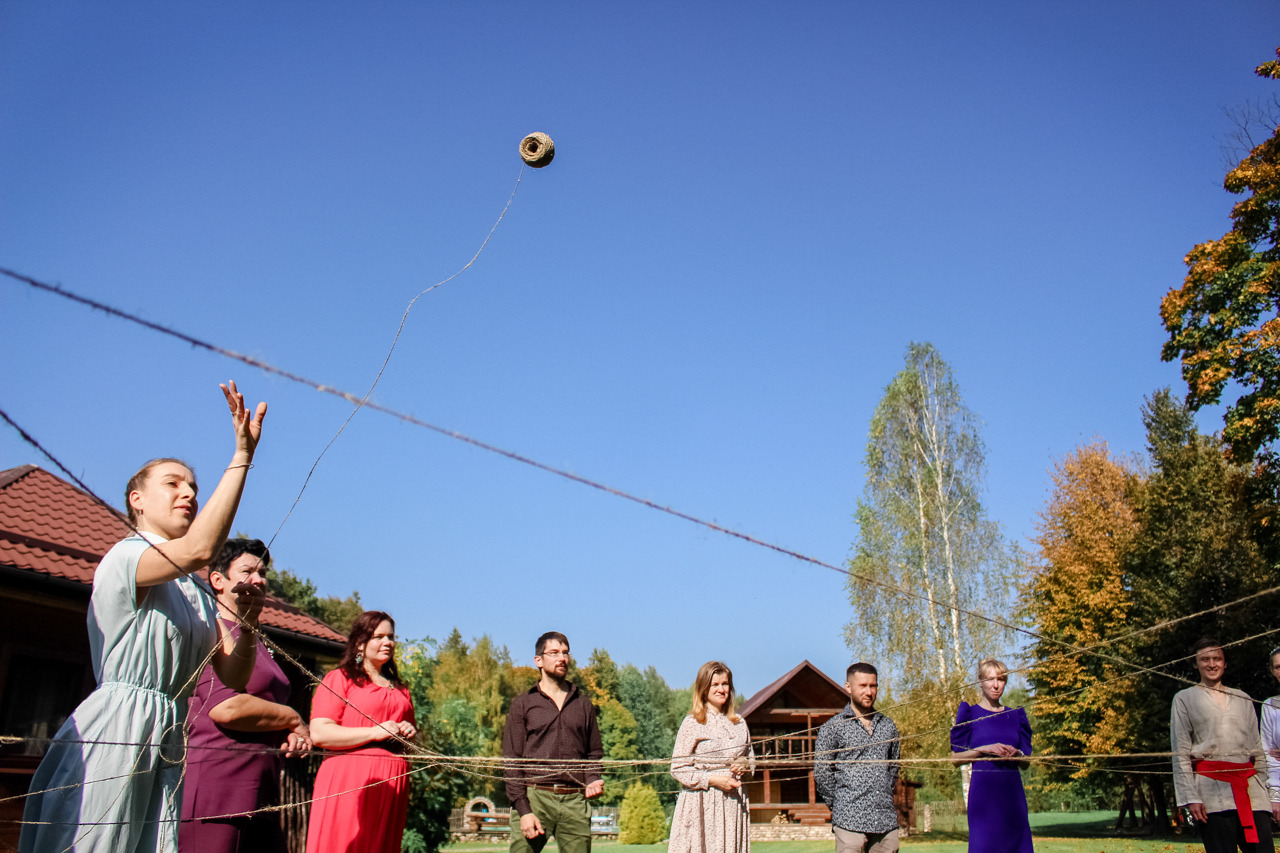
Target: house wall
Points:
(44, 673)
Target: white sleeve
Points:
(1271, 742)
(1180, 735)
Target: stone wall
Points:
(790, 832)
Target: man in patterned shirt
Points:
(555, 723)
(855, 769)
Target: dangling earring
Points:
(359, 658)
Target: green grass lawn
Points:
(1055, 832)
(922, 843)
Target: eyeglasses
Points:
(554, 655)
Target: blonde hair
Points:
(702, 686)
(992, 663)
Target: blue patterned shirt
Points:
(859, 794)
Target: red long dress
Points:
(347, 816)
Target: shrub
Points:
(413, 842)
(641, 819)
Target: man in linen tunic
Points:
(855, 769)
(1212, 722)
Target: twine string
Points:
(403, 319)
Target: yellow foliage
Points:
(1077, 594)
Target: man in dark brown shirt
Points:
(556, 721)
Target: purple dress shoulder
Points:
(997, 804)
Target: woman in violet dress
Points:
(362, 708)
(997, 804)
(109, 782)
(712, 752)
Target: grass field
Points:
(1055, 832)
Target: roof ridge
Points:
(12, 475)
(762, 695)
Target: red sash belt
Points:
(1237, 774)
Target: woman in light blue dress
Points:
(110, 780)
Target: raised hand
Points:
(248, 429)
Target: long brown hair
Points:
(702, 686)
(361, 632)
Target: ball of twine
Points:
(537, 150)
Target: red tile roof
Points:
(51, 528)
(284, 616)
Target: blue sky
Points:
(753, 209)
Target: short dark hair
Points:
(860, 667)
(1204, 643)
(235, 548)
(546, 638)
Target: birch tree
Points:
(922, 527)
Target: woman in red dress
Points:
(361, 708)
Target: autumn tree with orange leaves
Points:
(1078, 595)
(1137, 560)
(1224, 322)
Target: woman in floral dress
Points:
(712, 753)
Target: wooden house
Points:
(784, 719)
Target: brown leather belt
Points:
(560, 789)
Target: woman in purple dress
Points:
(237, 740)
(997, 804)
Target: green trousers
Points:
(566, 816)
